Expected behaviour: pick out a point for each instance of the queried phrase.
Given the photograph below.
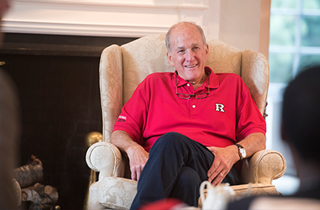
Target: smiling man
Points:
(181, 128)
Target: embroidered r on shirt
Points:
(220, 107)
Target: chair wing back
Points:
(255, 73)
(111, 88)
(224, 58)
(123, 68)
(141, 58)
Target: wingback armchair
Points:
(122, 68)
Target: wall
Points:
(233, 21)
(240, 23)
(264, 27)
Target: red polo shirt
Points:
(225, 117)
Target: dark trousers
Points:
(176, 167)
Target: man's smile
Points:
(191, 66)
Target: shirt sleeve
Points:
(249, 118)
(134, 114)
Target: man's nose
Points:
(190, 55)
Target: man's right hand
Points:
(138, 158)
(136, 154)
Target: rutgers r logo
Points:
(220, 107)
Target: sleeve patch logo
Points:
(122, 118)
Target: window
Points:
(294, 44)
(294, 37)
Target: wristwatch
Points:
(242, 151)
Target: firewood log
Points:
(40, 194)
(29, 174)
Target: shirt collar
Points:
(214, 79)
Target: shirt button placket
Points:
(194, 110)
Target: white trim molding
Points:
(114, 18)
(232, 21)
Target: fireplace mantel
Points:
(115, 18)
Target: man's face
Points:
(188, 53)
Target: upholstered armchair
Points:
(122, 68)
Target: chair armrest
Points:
(263, 167)
(105, 158)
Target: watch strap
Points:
(239, 147)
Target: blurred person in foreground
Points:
(300, 130)
(9, 133)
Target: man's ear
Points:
(169, 56)
(207, 51)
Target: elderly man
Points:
(179, 129)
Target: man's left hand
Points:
(224, 159)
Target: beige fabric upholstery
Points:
(263, 167)
(242, 191)
(122, 68)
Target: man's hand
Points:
(136, 154)
(137, 160)
(224, 159)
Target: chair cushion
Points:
(245, 190)
(117, 193)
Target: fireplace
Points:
(57, 78)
